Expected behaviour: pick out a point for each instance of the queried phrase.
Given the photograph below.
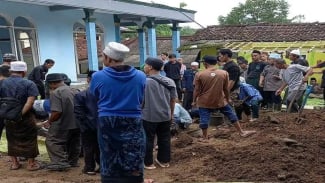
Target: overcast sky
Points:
(209, 10)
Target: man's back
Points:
(173, 70)
(211, 86)
(119, 91)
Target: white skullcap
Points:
(18, 66)
(295, 52)
(116, 51)
(275, 56)
(194, 63)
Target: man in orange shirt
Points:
(211, 93)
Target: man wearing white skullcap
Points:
(119, 89)
(295, 57)
(21, 132)
(187, 85)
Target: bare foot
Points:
(247, 133)
(148, 181)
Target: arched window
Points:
(25, 34)
(80, 41)
(6, 45)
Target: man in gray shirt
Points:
(63, 139)
(292, 76)
(157, 114)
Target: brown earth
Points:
(281, 151)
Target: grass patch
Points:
(43, 156)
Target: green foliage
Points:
(182, 5)
(259, 11)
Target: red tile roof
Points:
(263, 32)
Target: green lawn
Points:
(315, 102)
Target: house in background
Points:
(309, 38)
(39, 29)
(164, 44)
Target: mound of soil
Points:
(280, 151)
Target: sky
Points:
(209, 10)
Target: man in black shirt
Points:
(38, 75)
(231, 67)
(173, 71)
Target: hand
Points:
(305, 80)
(278, 92)
(193, 104)
(46, 124)
(261, 84)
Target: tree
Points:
(259, 11)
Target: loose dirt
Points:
(280, 151)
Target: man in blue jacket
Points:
(85, 110)
(119, 89)
(187, 85)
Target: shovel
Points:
(300, 119)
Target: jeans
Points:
(255, 109)
(90, 150)
(122, 147)
(162, 130)
(205, 115)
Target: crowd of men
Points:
(125, 113)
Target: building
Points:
(309, 38)
(164, 44)
(39, 29)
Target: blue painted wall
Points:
(54, 31)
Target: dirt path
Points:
(280, 152)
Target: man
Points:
(265, 57)
(296, 58)
(243, 66)
(182, 117)
(63, 138)
(187, 85)
(38, 75)
(119, 89)
(85, 109)
(211, 93)
(21, 133)
(317, 90)
(8, 58)
(231, 67)
(255, 68)
(4, 73)
(270, 81)
(293, 77)
(164, 58)
(157, 113)
(173, 71)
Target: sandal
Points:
(15, 167)
(150, 167)
(162, 165)
(34, 167)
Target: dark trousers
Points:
(162, 130)
(242, 108)
(63, 146)
(271, 98)
(41, 90)
(187, 100)
(2, 126)
(90, 149)
(178, 88)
